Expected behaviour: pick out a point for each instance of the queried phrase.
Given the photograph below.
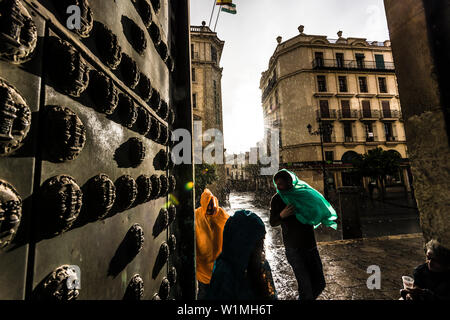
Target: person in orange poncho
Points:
(209, 223)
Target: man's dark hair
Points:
(283, 175)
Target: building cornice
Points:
(285, 47)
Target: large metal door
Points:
(105, 214)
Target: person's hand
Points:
(287, 212)
(413, 293)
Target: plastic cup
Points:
(408, 282)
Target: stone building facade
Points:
(206, 74)
(347, 85)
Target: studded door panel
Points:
(96, 182)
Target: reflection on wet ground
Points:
(345, 262)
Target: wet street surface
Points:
(345, 262)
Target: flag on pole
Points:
(223, 2)
(229, 8)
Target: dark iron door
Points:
(96, 206)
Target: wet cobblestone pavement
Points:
(345, 262)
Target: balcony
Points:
(333, 64)
(326, 114)
(392, 139)
(350, 140)
(370, 115)
(348, 114)
(372, 139)
(328, 139)
(391, 115)
(269, 88)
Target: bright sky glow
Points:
(250, 42)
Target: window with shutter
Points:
(360, 60)
(386, 109)
(348, 132)
(382, 85)
(342, 84)
(319, 59)
(345, 105)
(369, 132)
(363, 84)
(340, 60)
(366, 109)
(324, 109)
(321, 84)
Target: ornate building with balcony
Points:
(206, 52)
(347, 84)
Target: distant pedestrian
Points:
(241, 272)
(298, 208)
(431, 279)
(210, 220)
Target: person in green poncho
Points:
(299, 208)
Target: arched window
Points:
(349, 156)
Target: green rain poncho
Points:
(310, 206)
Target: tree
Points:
(377, 164)
(254, 173)
(205, 174)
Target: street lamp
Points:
(324, 129)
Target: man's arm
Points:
(275, 210)
(276, 206)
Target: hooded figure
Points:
(298, 209)
(310, 206)
(241, 272)
(210, 220)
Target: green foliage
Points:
(205, 174)
(377, 164)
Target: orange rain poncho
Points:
(209, 235)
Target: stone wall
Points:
(423, 101)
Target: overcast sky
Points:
(250, 40)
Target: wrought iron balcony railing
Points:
(328, 138)
(348, 114)
(348, 139)
(352, 65)
(391, 138)
(326, 114)
(391, 114)
(370, 114)
(371, 137)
